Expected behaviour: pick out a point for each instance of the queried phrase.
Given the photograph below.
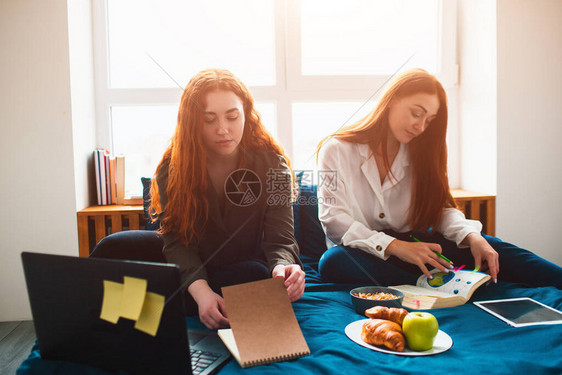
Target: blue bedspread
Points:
(481, 342)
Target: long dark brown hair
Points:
(186, 156)
(428, 151)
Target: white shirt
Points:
(354, 207)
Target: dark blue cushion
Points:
(312, 241)
(146, 204)
(297, 211)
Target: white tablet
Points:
(520, 312)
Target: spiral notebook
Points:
(264, 328)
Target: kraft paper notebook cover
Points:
(264, 328)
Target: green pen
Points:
(436, 252)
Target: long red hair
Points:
(186, 156)
(428, 151)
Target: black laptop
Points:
(66, 295)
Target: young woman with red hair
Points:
(223, 219)
(391, 189)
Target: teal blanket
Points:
(481, 342)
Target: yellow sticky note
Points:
(149, 319)
(111, 305)
(134, 291)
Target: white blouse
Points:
(353, 206)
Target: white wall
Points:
(82, 99)
(36, 151)
(478, 95)
(529, 202)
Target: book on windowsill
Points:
(102, 176)
(120, 179)
(444, 290)
(264, 328)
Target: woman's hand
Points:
(420, 254)
(212, 311)
(483, 253)
(294, 279)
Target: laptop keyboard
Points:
(201, 360)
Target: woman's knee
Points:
(506, 249)
(328, 263)
(130, 238)
(341, 264)
(238, 273)
(141, 245)
(346, 265)
(254, 269)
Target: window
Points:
(311, 65)
(183, 36)
(315, 121)
(143, 133)
(365, 32)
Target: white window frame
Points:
(291, 86)
(447, 68)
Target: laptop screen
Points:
(66, 296)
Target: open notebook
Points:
(445, 289)
(264, 328)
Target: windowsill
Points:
(132, 201)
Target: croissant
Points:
(382, 312)
(381, 332)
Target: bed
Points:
(482, 343)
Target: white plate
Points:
(442, 343)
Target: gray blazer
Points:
(256, 222)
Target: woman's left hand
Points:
(483, 252)
(294, 279)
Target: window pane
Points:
(314, 121)
(358, 37)
(268, 115)
(142, 134)
(184, 37)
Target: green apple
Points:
(420, 329)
